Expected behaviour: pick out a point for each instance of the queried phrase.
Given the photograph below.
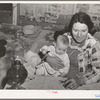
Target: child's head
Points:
(61, 44)
(17, 64)
(17, 50)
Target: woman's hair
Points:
(82, 18)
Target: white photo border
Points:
(50, 94)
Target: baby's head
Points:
(61, 44)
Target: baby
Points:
(58, 49)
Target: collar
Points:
(89, 36)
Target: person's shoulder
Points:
(67, 34)
(91, 39)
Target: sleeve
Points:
(23, 74)
(95, 57)
(95, 63)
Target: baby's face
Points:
(60, 48)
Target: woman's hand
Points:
(55, 62)
(69, 83)
(72, 83)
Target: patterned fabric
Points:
(89, 60)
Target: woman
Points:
(84, 53)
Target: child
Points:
(17, 74)
(59, 50)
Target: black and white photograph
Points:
(50, 46)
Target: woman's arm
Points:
(54, 62)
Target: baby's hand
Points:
(61, 70)
(44, 50)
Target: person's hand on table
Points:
(69, 83)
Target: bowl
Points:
(28, 29)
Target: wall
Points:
(57, 15)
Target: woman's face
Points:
(79, 31)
